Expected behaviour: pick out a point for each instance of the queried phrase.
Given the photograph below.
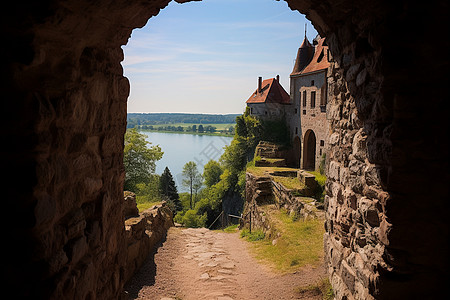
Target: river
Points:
(180, 148)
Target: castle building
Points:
(309, 97)
(269, 101)
(304, 109)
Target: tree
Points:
(148, 191)
(192, 179)
(211, 173)
(168, 188)
(200, 128)
(139, 159)
(193, 220)
(241, 128)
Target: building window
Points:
(322, 143)
(323, 99)
(265, 112)
(313, 99)
(312, 82)
(304, 111)
(304, 98)
(251, 110)
(295, 111)
(296, 130)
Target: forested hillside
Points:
(134, 119)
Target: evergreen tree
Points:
(168, 188)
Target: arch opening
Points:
(309, 150)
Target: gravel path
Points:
(203, 264)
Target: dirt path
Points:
(203, 264)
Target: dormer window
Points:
(319, 59)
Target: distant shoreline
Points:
(184, 123)
(188, 132)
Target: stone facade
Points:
(307, 117)
(269, 111)
(64, 116)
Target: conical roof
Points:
(304, 56)
(320, 60)
(305, 44)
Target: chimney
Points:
(278, 78)
(259, 84)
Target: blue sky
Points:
(205, 57)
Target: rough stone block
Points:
(130, 207)
(348, 276)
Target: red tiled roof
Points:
(319, 60)
(271, 92)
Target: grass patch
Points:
(143, 204)
(320, 178)
(231, 229)
(256, 235)
(292, 183)
(300, 244)
(264, 171)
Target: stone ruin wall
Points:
(65, 116)
(261, 190)
(143, 233)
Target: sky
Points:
(206, 57)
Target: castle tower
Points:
(304, 55)
(308, 88)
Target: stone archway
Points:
(64, 116)
(297, 152)
(309, 150)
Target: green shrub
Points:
(191, 219)
(255, 235)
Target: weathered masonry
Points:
(309, 94)
(64, 116)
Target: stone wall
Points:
(260, 190)
(143, 233)
(65, 120)
(382, 232)
(64, 116)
